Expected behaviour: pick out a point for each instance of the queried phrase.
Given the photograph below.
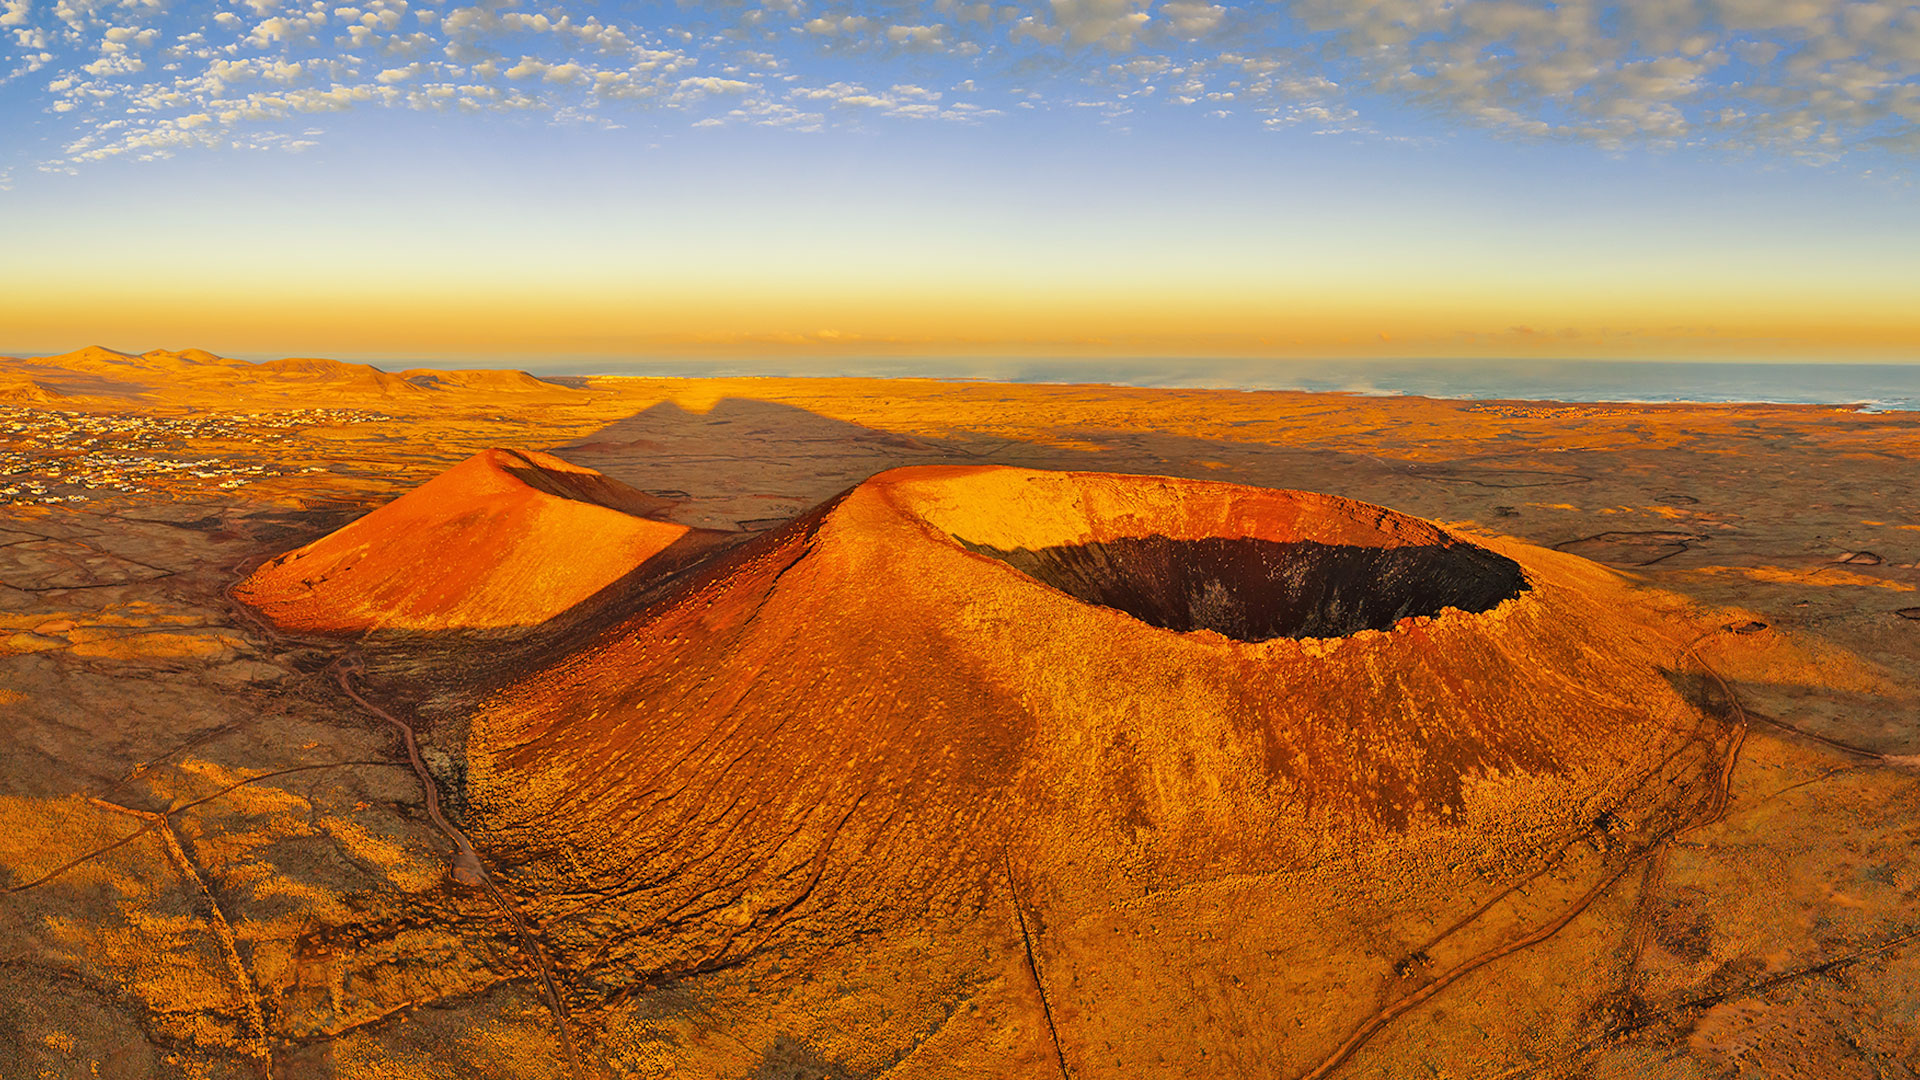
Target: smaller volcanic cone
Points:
(506, 538)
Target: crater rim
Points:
(1250, 565)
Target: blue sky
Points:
(1674, 177)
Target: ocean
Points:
(1873, 387)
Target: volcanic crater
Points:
(1266, 564)
(1255, 588)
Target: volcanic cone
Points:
(1156, 777)
(506, 538)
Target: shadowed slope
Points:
(504, 539)
(861, 728)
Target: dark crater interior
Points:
(1254, 590)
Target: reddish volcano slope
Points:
(1116, 776)
(506, 538)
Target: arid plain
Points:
(420, 800)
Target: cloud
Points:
(1111, 23)
(920, 36)
(845, 24)
(707, 84)
(1815, 79)
(1193, 20)
(1781, 74)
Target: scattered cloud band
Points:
(142, 79)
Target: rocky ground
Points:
(219, 862)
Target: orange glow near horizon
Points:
(980, 243)
(511, 325)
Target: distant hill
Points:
(20, 390)
(199, 375)
(478, 379)
(364, 377)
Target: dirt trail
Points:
(467, 867)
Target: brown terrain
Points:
(464, 724)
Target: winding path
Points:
(467, 867)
